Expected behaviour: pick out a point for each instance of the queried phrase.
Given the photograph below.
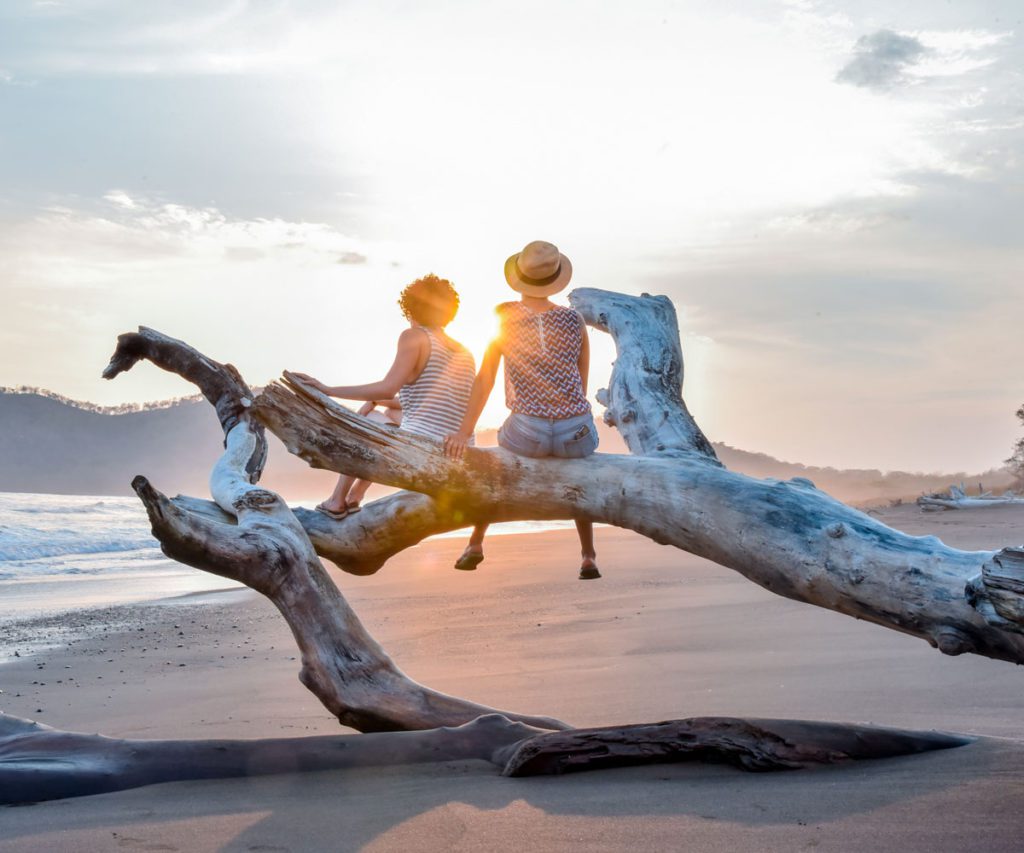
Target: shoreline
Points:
(23, 637)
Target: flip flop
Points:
(469, 562)
(353, 507)
(589, 573)
(337, 515)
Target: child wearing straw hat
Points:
(547, 357)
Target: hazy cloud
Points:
(351, 258)
(880, 60)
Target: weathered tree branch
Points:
(749, 744)
(644, 398)
(786, 536)
(221, 384)
(40, 763)
(267, 549)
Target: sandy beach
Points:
(662, 635)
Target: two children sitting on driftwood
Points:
(431, 389)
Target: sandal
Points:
(469, 561)
(352, 507)
(589, 573)
(336, 514)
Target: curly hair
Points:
(429, 301)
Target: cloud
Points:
(65, 246)
(885, 59)
(881, 60)
(121, 199)
(264, 290)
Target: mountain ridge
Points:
(52, 444)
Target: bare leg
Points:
(474, 553)
(476, 539)
(350, 490)
(357, 492)
(588, 566)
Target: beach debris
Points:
(956, 498)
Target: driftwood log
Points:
(40, 763)
(955, 498)
(786, 536)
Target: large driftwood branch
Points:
(40, 763)
(259, 542)
(644, 397)
(788, 537)
(221, 384)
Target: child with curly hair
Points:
(427, 389)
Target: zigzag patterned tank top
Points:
(542, 353)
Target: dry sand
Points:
(663, 635)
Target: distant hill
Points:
(54, 445)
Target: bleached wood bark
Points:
(40, 763)
(998, 592)
(264, 546)
(644, 397)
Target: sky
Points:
(831, 192)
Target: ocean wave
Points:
(31, 544)
(35, 528)
(68, 509)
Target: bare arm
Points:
(455, 444)
(404, 370)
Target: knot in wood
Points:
(836, 531)
(952, 641)
(573, 493)
(255, 499)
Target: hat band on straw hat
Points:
(538, 282)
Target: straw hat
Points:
(539, 270)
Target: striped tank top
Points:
(542, 354)
(435, 402)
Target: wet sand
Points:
(662, 635)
